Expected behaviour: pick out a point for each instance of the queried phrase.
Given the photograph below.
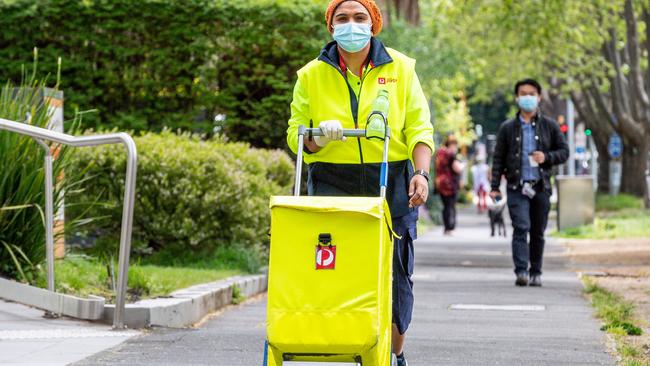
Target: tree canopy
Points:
(598, 54)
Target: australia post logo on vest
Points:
(384, 81)
(325, 257)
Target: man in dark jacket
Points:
(528, 146)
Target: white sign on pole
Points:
(54, 100)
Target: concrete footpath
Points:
(467, 312)
(26, 338)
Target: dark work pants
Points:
(403, 263)
(449, 211)
(529, 217)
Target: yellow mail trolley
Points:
(330, 273)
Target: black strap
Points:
(364, 180)
(310, 135)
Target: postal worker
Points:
(336, 91)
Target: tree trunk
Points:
(596, 120)
(635, 163)
(600, 136)
(408, 10)
(603, 166)
(385, 6)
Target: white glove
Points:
(332, 130)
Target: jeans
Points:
(449, 211)
(529, 217)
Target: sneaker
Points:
(536, 281)
(522, 279)
(401, 360)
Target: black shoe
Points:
(522, 279)
(536, 281)
(401, 360)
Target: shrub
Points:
(176, 64)
(194, 196)
(238, 257)
(256, 74)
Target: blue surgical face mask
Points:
(527, 103)
(351, 36)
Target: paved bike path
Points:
(505, 325)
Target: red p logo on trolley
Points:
(325, 257)
(325, 252)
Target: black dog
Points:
(496, 218)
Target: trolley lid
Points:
(373, 206)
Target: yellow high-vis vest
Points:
(322, 93)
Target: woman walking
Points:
(448, 171)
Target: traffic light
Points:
(588, 132)
(565, 128)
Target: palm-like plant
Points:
(22, 230)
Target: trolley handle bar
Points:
(302, 131)
(318, 132)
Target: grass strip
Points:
(617, 315)
(624, 224)
(608, 203)
(82, 275)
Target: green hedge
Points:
(147, 64)
(193, 196)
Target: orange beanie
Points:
(373, 9)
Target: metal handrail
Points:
(40, 135)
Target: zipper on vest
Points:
(363, 77)
(355, 116)
(364, 179)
